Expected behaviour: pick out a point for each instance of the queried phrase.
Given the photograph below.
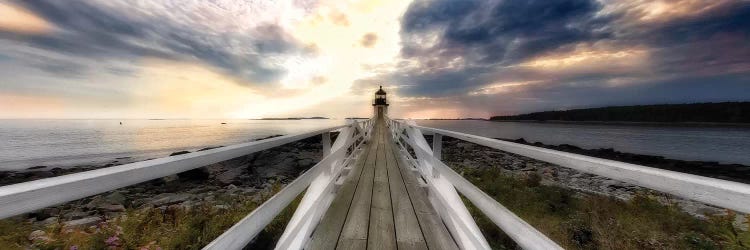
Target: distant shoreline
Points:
(692, 114)
(627, 123)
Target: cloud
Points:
(485, 32)
(538, 55)
(189, 31)
(18, 20)
(339, 18)
(369, 40)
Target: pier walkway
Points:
(381, 205)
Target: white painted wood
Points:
(318, 196)
(722, 193)
(437, 146)
(443, 195)
(326, 141)
(239, 235)
(521, 232)
(29, 196)
(320, 179)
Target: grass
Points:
(152, 228)
(596, 222)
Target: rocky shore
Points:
(248, 177)
(460, 154)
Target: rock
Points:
(116, 198)
(50, 221)
(38, 236)
(85, 222)
(94, 202)
(45, 213)
(113, 208)
(169, 198)
(229, 176)
(231, 186)
(77, 214)
(305, 163)
(221, 207)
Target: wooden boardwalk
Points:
(381, 205)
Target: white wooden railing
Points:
(319, 183)
(30, 196)
(727, 194)
(442, 183)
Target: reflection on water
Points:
(27, 143)
(726, 145)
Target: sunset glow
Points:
(240, 59)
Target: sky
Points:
(220, 59)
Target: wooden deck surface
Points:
(381, 206)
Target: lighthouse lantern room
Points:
(380, 104)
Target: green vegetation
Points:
(596, 222)
(725, 112)
(151, 228)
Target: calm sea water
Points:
(726, 145)
(61, 143)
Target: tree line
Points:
(724, 112)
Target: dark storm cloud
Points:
(453, 47)
(499, 31)
(91, 30)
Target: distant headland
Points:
(724, 113)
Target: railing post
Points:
(326, 143)
(437, 149)
(437, 146)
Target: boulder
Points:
(113, 208)
(116, 198)
(49, 221)
(229, 176)
(85, 222)
(38, 236)
(77, 214)
(169, 198)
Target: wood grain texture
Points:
(375, 207)
(327, 233)
(408, 233)
(357, 222)
(434, 231)
(382, 233)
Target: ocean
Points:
(720, 144)
(65, 143)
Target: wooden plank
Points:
(408, 233)
(382, 233)
(327, 233)
(357, 219)
(434, 231)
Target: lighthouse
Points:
(380, 105)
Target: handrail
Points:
(722, 193)
(29, 196)
(241, 233)
(433, 169)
